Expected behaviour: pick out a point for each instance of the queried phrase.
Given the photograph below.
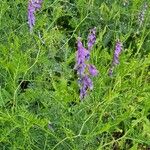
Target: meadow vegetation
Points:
(40, 107)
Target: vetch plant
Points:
(45, 113)
(33, 6)
(118, 49)
(84, 69)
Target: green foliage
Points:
(39, 99)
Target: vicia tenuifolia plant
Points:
(33, 6)
(84, 69)
(115, 61)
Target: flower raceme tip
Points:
(33, 6)
(84, 69)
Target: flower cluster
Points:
(33, 6)
(84, 70)
(142, 14)
(91, 38)
(118, 49)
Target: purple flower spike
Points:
(84, 69)
(117, 52)
(92, 70)
(33, 6)
(118, 49)
(82, 53)
(91, 38)
(86, 84)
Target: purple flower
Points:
(118, 49)
(33, 6)
(84, 70)
(82, 53)
(92, 70)
(91, 38)
(86, 83)
(117, 52)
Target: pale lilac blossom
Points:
(118, 49)
(33, 6)
(91, 38)
(86, 83)
(117, 52)
(141, 16)
(92, 70)
(82, 53)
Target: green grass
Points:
(40, 107)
